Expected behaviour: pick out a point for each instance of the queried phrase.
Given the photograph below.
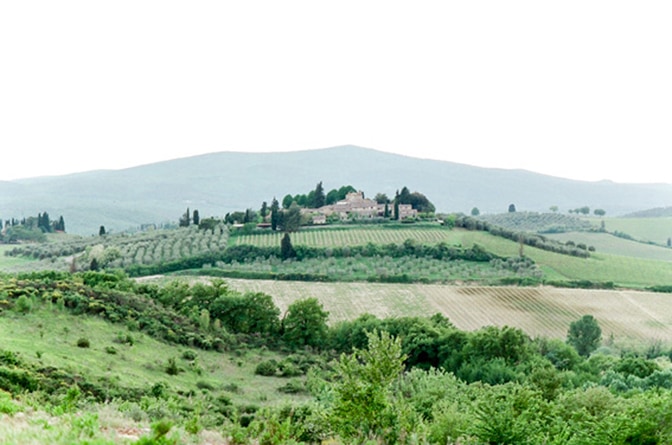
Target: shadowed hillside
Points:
(222, 182)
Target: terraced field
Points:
(630, 316)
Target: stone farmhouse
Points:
(355, 204)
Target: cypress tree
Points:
(286, 249)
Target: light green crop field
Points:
(612, 245)
(656, 230)
(630, 316)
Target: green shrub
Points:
(267, 368)
(189, 355)
(83, 343)
(23, 304)
(171, 367)
(111, 350)
(204, 385)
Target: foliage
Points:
(584, 335)
(305, 324)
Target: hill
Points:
(218, 183)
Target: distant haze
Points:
(219, 183)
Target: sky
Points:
(575, 89)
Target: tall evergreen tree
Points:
(196, 217)
(185, 219)
(319, 199)
(275, 214)
(396, 205)
(286, 249)
(264, 210)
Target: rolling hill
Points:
(218, 183)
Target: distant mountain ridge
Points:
(222, 182)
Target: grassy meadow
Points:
(49, 338)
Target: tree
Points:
(364, 405)
(669, 242)
(196, 217)
(286, 249)
(396, 206)
(101, 231)
(264, 210)
(554, 209)
(291, 218)
(185, 219)
(305, 323)
(599, 212)
(318, 198)
(275, 214)
(475, 211)
(381, 198)
(287, 201)
(584, 335)
(512, 208)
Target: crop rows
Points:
(630, 316)
(349, 237)
(386, 268)
(119, 251)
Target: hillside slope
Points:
(218, 183)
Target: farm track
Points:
(642, 317)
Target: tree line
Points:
(31, 228)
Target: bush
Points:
(189, 355)
(83, 343)
(23, 304)
(111, 350)
(268, 368)
(171, 367)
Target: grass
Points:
(10, 262)
(50, 338)
(612, 245)
(656, 230)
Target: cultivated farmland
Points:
(643, 317)
(355, 236)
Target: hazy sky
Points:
(578, 89)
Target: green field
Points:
(11, 262)
(625, 263)
(656, 230)
(613, 245)
(49, 338)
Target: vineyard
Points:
(356, 236)
(641, 317)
